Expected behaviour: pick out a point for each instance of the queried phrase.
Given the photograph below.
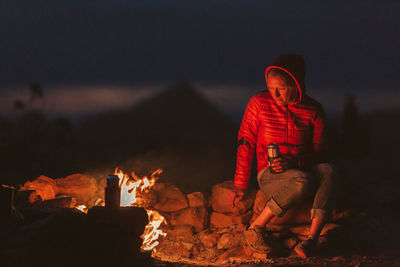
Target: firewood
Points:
(64, 202)
(26, 198)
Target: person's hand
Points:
(236, 193)
(280, 164)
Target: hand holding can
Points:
(277, 163)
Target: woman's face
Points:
(281, 91)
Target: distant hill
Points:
(177, 117)
(177, 130)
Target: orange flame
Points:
(151, 232)
(82, 208)
(130, 196)
(131, 186)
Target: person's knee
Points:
(326, 170)
(301, 179)
(302, 186)
(261, 175)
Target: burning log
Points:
(43, 186)
(80, 186)
(129, 219)
(63, 202)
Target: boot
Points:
(255, 239)
(306, 248)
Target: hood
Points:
(295, 66)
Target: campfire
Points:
(132, 189)
(130, 194)
(189, 228)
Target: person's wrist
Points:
(239, 191)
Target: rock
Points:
(239, 228)
(208, 238)
(220, 220)
(44, 186)
(242, 219)
(197, 250)
(259, 202)
(246, 204)
(197, 199)
(167, 251)
(80, 186)
(181, 232)
(170, 198)
(221, 193)
(259, 255)
(241, 254)
(187, 245)
(208, 254)
(228, 240)
(149, 198)
(196, 217)
(227, 254)
(220, 197)
(63, 202)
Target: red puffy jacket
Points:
(298, 129)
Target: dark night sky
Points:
(126, 49)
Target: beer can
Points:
(112, 181)
(112, 192)
(273, 153)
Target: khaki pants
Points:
(287, 188)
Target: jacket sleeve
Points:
(247, 139)
(320, 143)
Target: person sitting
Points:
(284, 114)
